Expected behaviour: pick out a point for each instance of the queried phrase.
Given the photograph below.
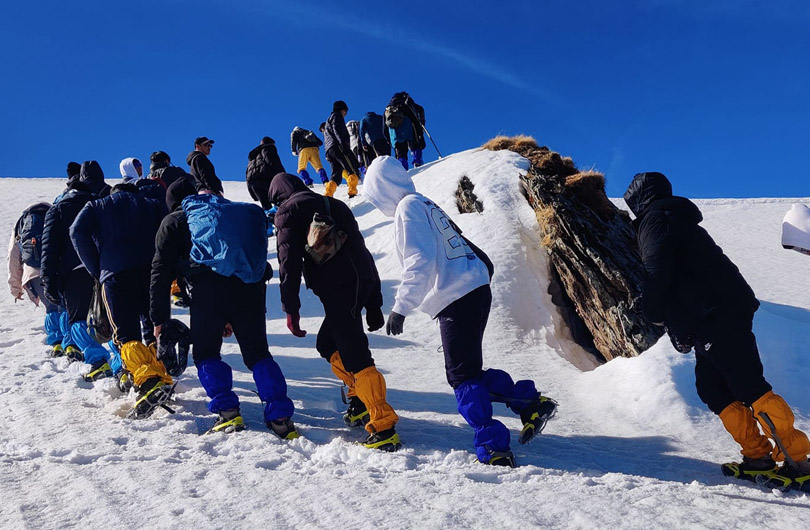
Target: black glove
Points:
(394, 324)
(374, 318)
(682, 344)
(53, 296)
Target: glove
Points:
(374, 318)
(682, 344)
(394, 324)
(293, 324)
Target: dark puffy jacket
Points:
(372, 128)
(263, 165)
(202, 170)
(302, 138)
(688, 280)
(335, 134)
(117, 232)
(58, 255)
(92, 175)
(166, 175)
(352, 267)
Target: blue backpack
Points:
(228, 237)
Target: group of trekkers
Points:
(123, 253)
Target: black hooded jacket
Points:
(263, 164)
(58, 255)
(303, 138)
(688, 280)
(203, 172)
(92, 175)
(352, 269)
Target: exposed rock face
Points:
(591, 245)
(466, 200)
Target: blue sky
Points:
(713, 93)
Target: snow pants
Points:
(53, 312)
(126, 297)
(342, 160)
(462, 326)
(309, 155)
(343, 342)
(217, 301)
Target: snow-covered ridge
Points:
(632, 446)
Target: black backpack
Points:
(98, 321)
(28, 233)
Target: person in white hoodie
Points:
(447, 277)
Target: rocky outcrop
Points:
(591, 245)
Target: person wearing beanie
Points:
(120, 258)
(205, 177)
(163, 172)
(305, 145)
(224, 304)
(68, 283)
(338, 151)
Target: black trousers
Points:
(126, 295)
(216, 301)
(76, 291)
(728, 367)
(343, 331)
(462, 326)
(341, 160)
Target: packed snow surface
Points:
(631, 446)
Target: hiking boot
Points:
(99, 370)
(789, 477)
(74, 354)
(124, 381)
(387, 440)
(535, 416)
(283, 428)
(151, 395)
(229, 421)
(357, 413)
(750, 468)
(57, 350)
(499, 458)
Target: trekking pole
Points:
(431, 139)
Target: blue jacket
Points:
(117, 232)
(372, 128)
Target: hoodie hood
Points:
(284, 186)
(128, 171)
(92, 175)
(645, 189)
(177, 191)
(386, 184)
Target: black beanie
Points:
(339, 105)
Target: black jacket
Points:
(92, 175)
(688, 280)
(302, 138)
(117, 233)
(58, 255)
(202, 170)
(166, 175)
(263, 165)
(352, 269)
(335, 134)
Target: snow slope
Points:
(631, 447)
